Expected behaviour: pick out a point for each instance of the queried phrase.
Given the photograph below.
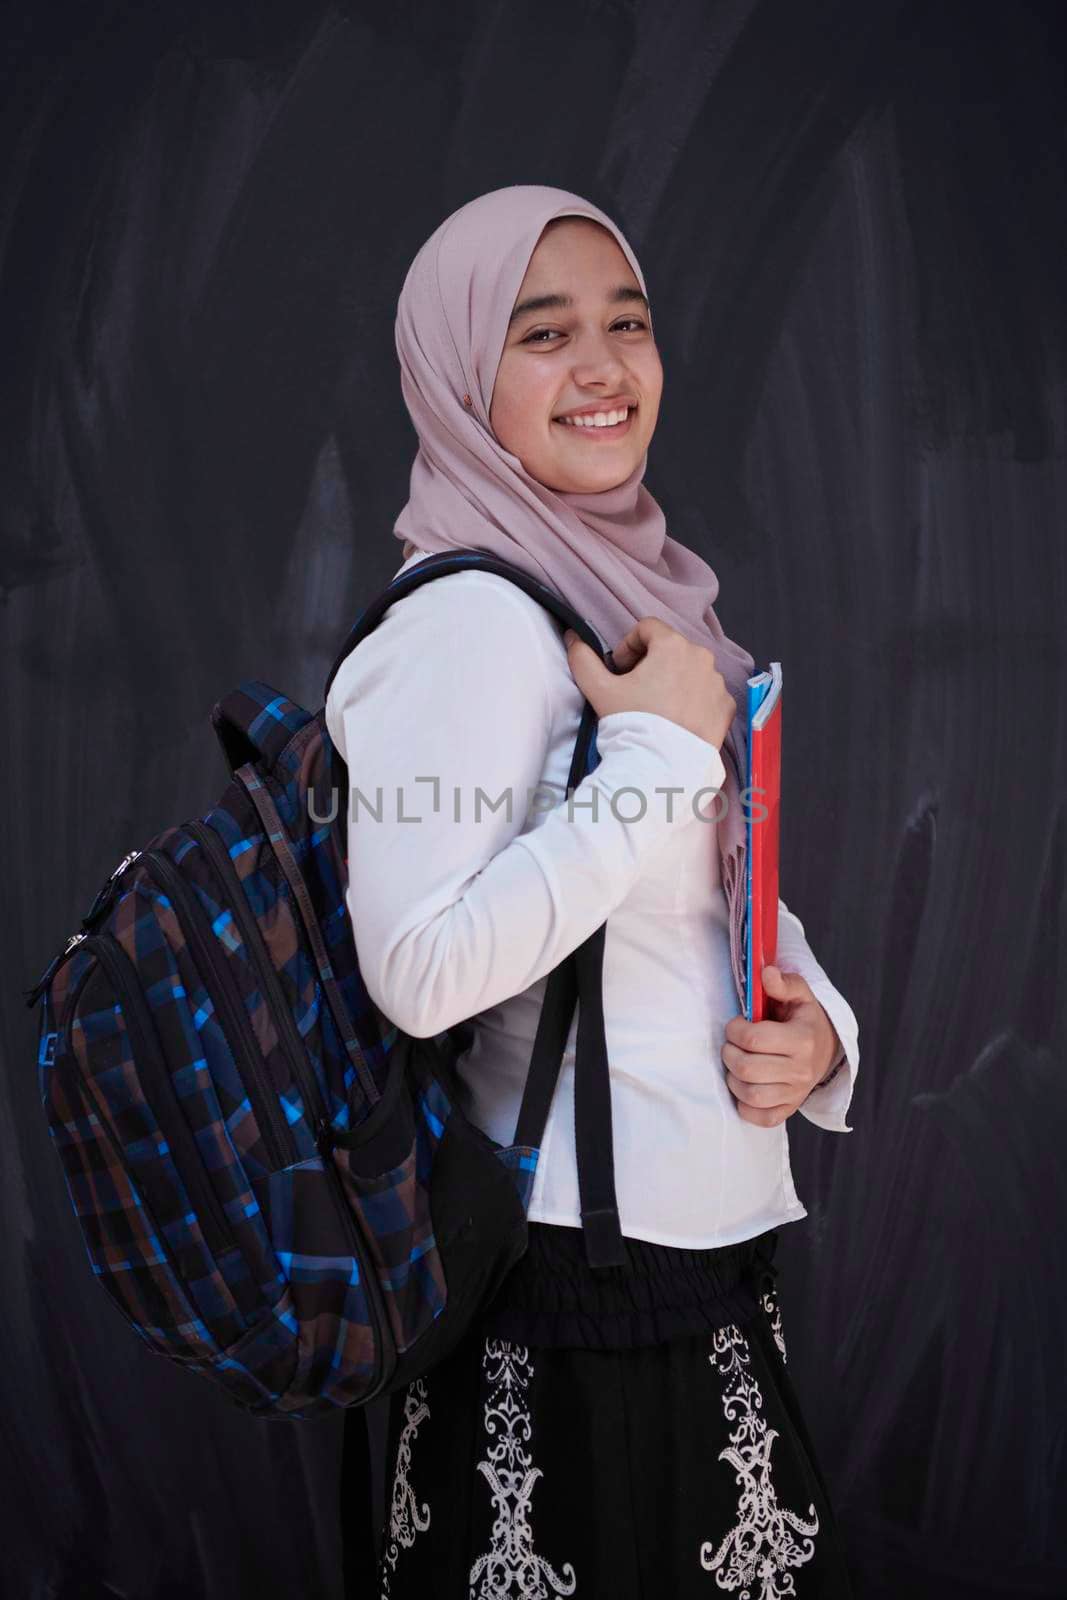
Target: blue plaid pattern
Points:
(251, 1147)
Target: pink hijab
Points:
(608, 554)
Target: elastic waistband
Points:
(553, 1297)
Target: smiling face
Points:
(594, 354)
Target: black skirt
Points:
(626, 1432)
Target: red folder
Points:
(760, 945)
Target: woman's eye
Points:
(538, 334)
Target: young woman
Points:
(628, 1430)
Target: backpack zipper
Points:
(304, 1077)
(163, 1098)
(100, 902)
(237, 1027)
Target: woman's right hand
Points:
(658, 669)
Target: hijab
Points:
(608, 554)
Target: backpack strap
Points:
(445, 561)
(578, 977)
(561, 995)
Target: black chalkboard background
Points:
(852, 221)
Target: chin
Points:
(561, 478)
(598, 482)
(547, 468)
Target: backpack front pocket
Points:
(131, 1156)
(127, 1244)
(385, 1167)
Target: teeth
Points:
(599, 419)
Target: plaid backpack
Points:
(275, 1184)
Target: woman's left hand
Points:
(772, 1066)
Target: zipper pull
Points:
(131, 855)
(324, 1138)
(105, 894)
(96, 910)
(34, 994)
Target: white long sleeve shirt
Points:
(462, 905)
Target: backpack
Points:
(275, 1184)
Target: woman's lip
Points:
(603, 434)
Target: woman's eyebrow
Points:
(560, 302)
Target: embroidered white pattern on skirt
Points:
(406, 1518)
(511, 1566)
(774, 1311)
(757, 1553)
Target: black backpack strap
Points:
(437, 566)
(578, 978)
(553, 1026)
(592, 1113)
